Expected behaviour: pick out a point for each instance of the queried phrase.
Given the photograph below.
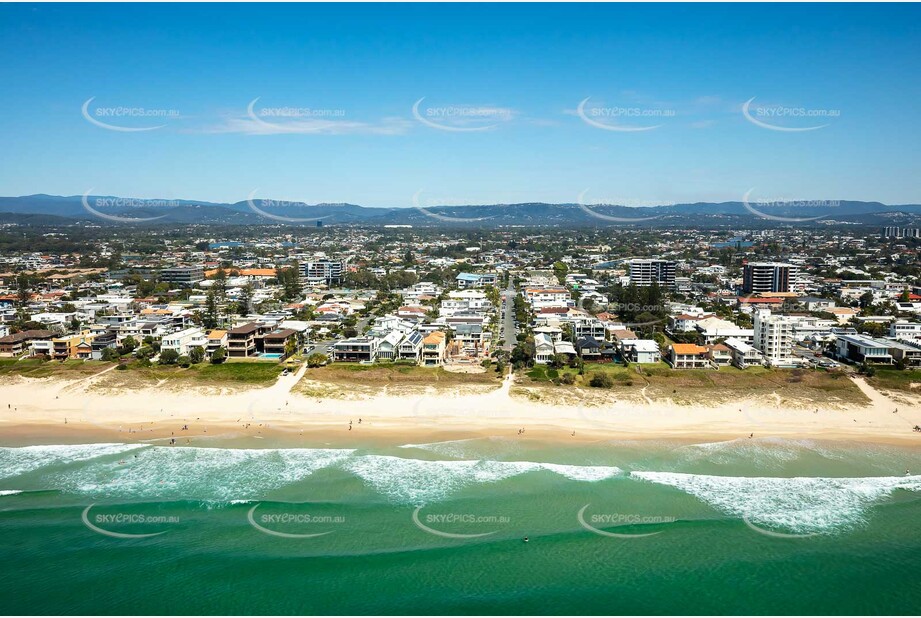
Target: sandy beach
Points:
(46, 408)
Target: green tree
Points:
(245, 300)
(601, 379)
(23, 292)
(168, 357)
(110, 354)
(197, 354)
(290, 280)
(317, 359)
(220, 283)
(218, 356)
(129, 344)
(212, 316)
(560, 270)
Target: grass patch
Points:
(708, 386)
(906, 381)
(35, 368)
(396, 374)
(226, 373)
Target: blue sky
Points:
(499, 120)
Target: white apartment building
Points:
(418, 290)
(554, 296)
(184, 340)
(905, 330)
(644, 272)
(774, 336)
(322, 271)
(465, 301)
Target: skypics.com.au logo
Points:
(784, 208)
(293, 522)
(283, 205)
(590, 208)
(96, 205)
(425, 205)
(459, 525)
(787, 119)
(461, 118)
(621, 118)
(127, 525)
(291, 119)
(123, 118)
(598, 523)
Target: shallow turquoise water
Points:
(743, 527)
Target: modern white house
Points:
(389, 347)
(860, 348)
(411, 347)
(184, 340)
(902, 329)
(743, 354)
(543, 348)
(640, 350)
(712, 328)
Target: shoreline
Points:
(48, 409)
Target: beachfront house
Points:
(433, 348)
(78, 346)
(389, 348)
(17, 343)
(720, 355)
(688, 356)
(860, 349)
(543, 348)
(241, 341)
(183, 341)
(411, 347)
(216, 339)
(356, 350)
(743, 354)
(589, 349)
(640, 351)
(279, 342)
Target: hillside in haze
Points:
(56, 209)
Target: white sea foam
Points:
(418, 481)
(801, 505)
(15, 461)
(199, 473)
(470, 448)
(762, 452)
(588, 474)
(10, 492)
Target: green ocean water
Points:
(763, 526)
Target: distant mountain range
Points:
(51, 209)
